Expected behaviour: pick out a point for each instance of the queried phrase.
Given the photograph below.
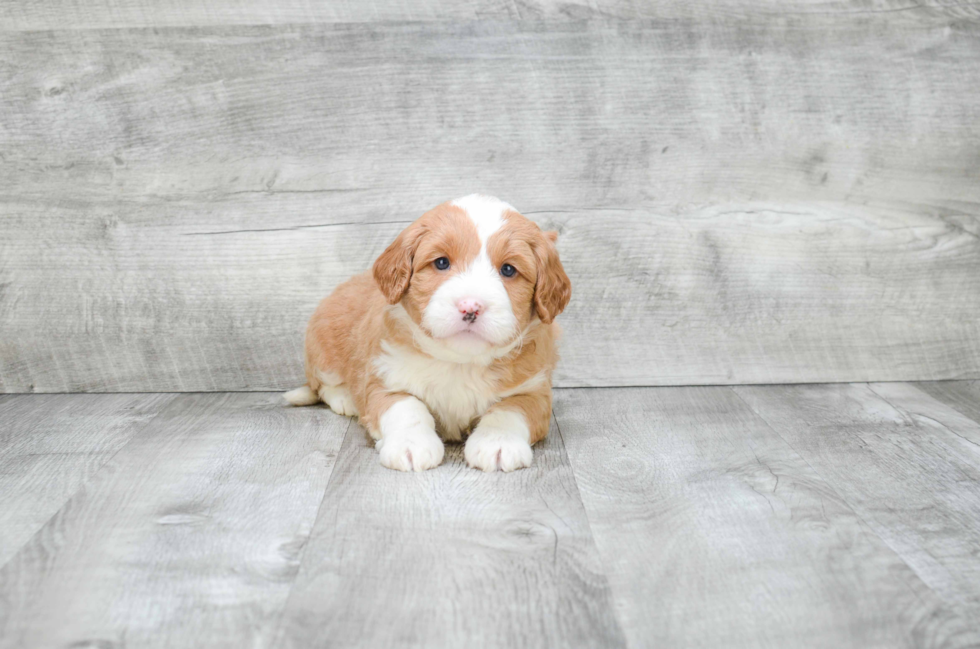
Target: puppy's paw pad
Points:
(497, 451)
(414, 452)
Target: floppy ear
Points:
(553, 289)
(393, 268)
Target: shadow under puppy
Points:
(452, 332)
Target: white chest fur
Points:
(456, 393)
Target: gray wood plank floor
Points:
(793, 516)
(189, 536)
(717, 533)
(51, 445)
(961, 395)
(906, 463)
(452, 558)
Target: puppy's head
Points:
(473, 273)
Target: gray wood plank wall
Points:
(72, 14)
(786, 196)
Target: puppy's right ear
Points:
(393, 269)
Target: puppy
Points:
(452, 332)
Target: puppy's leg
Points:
(502, 440)
(408, 436)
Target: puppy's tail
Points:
(302, 396)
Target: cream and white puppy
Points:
(452, 332)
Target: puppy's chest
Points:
(456, 394)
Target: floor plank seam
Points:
(588, 522)
(944, 426)
(793, 448)
(276, 636)
(86, 483)
(865, 525)
(952, 406)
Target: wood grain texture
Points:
(189, 536)
(72, 14)
(50, 445)
(714, 532)
(963, 396)
(676, 518)
(906, 463)
(450, 558)
(792, 199)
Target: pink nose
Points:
(470, 308)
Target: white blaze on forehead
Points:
(479, 280)
(486, 212)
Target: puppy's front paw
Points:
(411, 450)
(408, 437)
(495, 449)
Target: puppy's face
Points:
(473, 273)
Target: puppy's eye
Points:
(442, 263)
(507, 270)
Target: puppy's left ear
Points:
(393, 268)
(553, 289)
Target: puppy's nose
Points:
(470, 308)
